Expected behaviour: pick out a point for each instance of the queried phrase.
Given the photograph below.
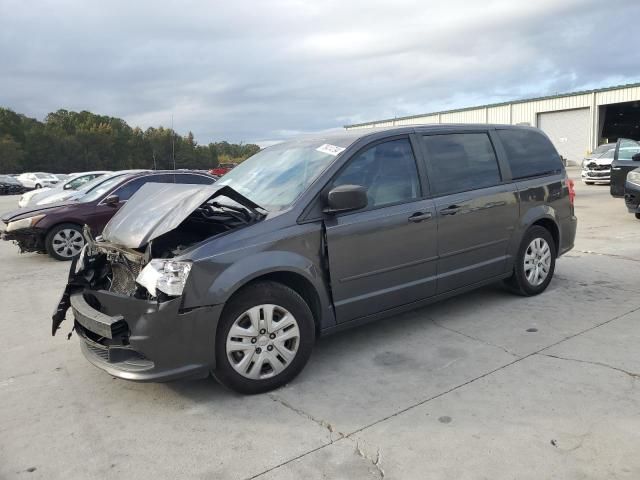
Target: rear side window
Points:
(530, 153)
(460, 162)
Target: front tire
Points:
(38, 186)
(535, 263)
(64, 241)
(264, 338)
(638, 216)
(589, 183)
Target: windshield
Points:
(77, 182)
(95, 189)
(273, 178)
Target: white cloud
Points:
(248, 71)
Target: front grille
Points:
(123, 278)
(121, 357)
(596, 167)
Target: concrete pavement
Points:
(487, 385)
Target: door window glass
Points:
(460, 162)
(388, 172)
(628, 148)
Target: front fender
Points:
(200, 291)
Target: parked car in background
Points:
(57, 229)
(632, 192)
(626, 158)
(60, 192)
(311, 236)
(37, 180)
(222, 169)
(596, 168)
(10, 185)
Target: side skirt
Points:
(410, 306)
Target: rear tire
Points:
(64, 241)
(589, 183)
(534, 264)
(38, 186)
(638, 216)
(254, 352)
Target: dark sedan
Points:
(57, 228)
(10, 186)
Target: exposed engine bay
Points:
(105, 265)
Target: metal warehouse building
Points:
(576, 122)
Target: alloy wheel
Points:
(263, 341)
(537, 261)
(67, 242)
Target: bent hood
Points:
(158, 208)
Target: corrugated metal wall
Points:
(525, 112)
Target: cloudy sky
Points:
(260, 70)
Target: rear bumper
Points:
(568, 228)
(145, 340)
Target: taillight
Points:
(572, 190)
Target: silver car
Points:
(60, 192)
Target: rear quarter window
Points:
(530, 153)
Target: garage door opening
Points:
(619, 120)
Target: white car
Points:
(61, 191)
(37, 180)
(596, 168)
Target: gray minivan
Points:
(312, 236)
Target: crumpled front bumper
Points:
(589, 175)
(143, 340)
(27, 239)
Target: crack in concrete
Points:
(427, 400)
(633, 375)
(471, 337)
(323, 423)
(376, 462)
(613, 255)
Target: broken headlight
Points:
(168, 276)
(24, 223)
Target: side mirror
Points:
(112, 200)
(636, 157)
(67, 186)
(345, 198)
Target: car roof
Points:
(344, 138)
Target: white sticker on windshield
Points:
(330, 149)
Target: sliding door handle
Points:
(451, 210)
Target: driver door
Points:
(384, 255)
(622, 164)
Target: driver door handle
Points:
(420, 216)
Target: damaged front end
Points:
(125, 288)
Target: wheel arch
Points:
(293, 270)
(296, 282)
(552, 227)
